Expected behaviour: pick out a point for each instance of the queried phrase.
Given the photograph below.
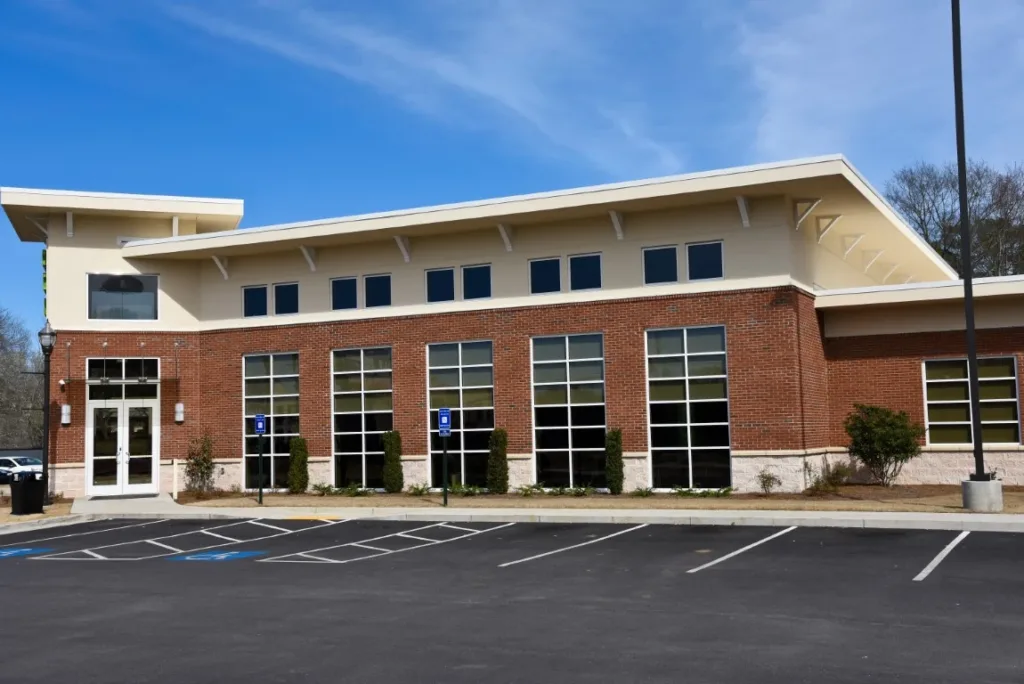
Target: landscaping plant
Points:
(199, 465)
(394, 480)
(614, 468)
(883, 440)
(298, 466)
(767, 480)
(418, 489)
(497, 463)
(642, 492)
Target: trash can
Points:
(26, 493)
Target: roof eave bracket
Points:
(800, 215)
(617, 224)
(505, 231)
(744, 206)
(309, 254)
(403, 246)
(222, 265)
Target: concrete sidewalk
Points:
(164, 507)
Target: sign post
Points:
(444, 428)
(260, 430)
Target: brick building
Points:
(726, 322)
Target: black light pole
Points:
(47, 340)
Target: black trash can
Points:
(26, 493)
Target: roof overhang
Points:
(918, 293)
(28, 208)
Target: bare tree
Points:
(21, 393)
(927, 196)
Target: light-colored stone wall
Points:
(636, 471)
(415, 470)
(520, 471)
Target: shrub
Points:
(323, 489)
(418, 489)
(581, 491)
(883, 440)
(394, 480)
(497, 463)
(767, 480)
(298, 465)
(613, 466)
(557, 491)
(830, 479)
(530, 489)
(459, 489)
(642, 492)
(702, 493)
(199, 465)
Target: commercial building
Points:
(724, 321)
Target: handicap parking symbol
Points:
(12, 553)
(218, 555)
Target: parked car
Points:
(18, 464)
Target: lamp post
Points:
(47, 340)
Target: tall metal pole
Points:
(965, 254)
(46, 426)
(444, 470)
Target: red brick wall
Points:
(813, 369)
(763, 329)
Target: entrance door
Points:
(123, 447)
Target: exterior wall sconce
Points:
(179, 412)
(65, 414)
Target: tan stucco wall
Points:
(1001, 312)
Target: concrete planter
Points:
(983, 497)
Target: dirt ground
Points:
(922, 498)
(55, 510)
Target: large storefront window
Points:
(362, 414)
(460, 376)
(270, 387)
(688, 408)
(569, 411)
(948, 401)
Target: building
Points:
(724, 321)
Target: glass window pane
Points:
(549, 372)
(476, 282)
(945, 370)
(379, 422)
(378, 290)
(286, 299)
(441, 285)
(373, 442)
(551, 394)
(668, 437)
(285, 364)
(664, 342)
(476, 440)
(286, 386)
(586, 370)
(348, 382)
(709, 412)
(549, 349)
(347, 422)
(997, 389)
(709, 435)
(257, 388)
(997, 368)
(710, 468)
(477, 418)
(254, 406)
(347, 360)
(286, 405)
(997, 411)
(377, 359)
(671, 468)
(443, 355)
(586, 394)
(476, 353)
(545, 276)
(286, 425)
(1001, 434)
(551, 416)
(377, 401)
(344, 293)
(707, 389)
(588, 438)
(348, 403)
(456, 418)
(478, 398)
(660, 266)
(254, 301)
(553, 468)
(444, 399)
(256, 366)
(106, 391)
(707, 365)
(948, 391)
(552, 439)
(701, 340)
(666, 367)
(704, 261)
(122, 297)
(949, 434)
(475, 377)
(588, 469)
(668, 414)
(146, 391)
(585, 272)
(377, 381)
(586, 347)
(587, 415)
(950, 413)
(348, 470)
(446, 377)
(668, 390)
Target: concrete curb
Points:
(44, 523)
(849, 519)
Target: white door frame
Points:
(122, 487)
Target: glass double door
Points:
(123, 447)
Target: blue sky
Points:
(314, 108)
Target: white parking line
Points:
(220, 536)
(163, 546)
(274, 527)
(942, 555)
(364, 546)
(574, 546)
(82, 534)
(94, 555)
(413, 536)
(456, 527)
(739, 551)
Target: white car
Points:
(18, 464)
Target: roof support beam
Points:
(71, 224)
(825, 224)
(506, 236)
(222, 265)
(174, 226)
(889, 274)
(744, 207)
(35, 222)
(802, 208)
(403, 246)
(871, 262)
(909, 278)
(309, 253)
(849, 242)
(617, 225)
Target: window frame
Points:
(643, 264)
(954, 445)
(297, 294)
(600, 271)
(529, 275)
(332, 372)
(269, 453)
(266, 289)
(129, 321)
(391, 291)
(721, 244)
(490, 281)
(426, 285)
(331, 282)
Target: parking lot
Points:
(372, 600)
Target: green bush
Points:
(529, 490)
(199, 465)
(768, 480)
(830, 479)
(581, 491)
(613, 466)
(459, 489)
(418, 489)
(883, 440)
(497, 463)
(642, 492)
(298, 466)
(323, 489)
(394, 480)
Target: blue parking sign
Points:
(444, 422)
(261, 424)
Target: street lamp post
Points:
(47, 340)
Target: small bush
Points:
(459, 489)
(702, 493)
(530, 490)
(199, 465)
(883, 440)
(418, 489)
(831, 477)
(613, 465)
(557, 491)
(298, 466)
(767, 480)
(323, 489)
(394, 479)
(581, 491)
(497, 463)
(354, 490)
(642, 492)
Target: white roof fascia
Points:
(71, 200)
(993, 286)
